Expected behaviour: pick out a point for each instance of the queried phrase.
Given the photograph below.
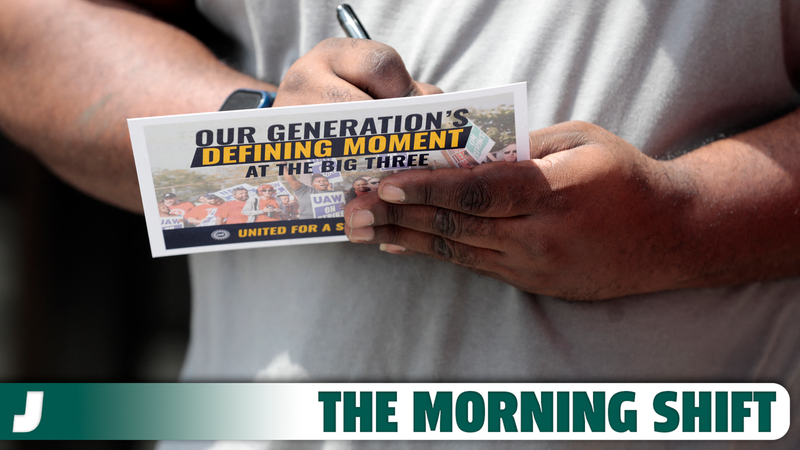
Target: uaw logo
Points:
(220, 235)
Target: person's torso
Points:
(666, 76)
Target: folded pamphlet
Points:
(282, 176)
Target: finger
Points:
(428, 89)
(407, 241)
(341, 70)
(375, 68)
(311, 87)
(298, 89)
(560, 137)
(472, 230)
(398, 250)
(499, 189)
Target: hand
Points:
(344, 70)
(590, 217)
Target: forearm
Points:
(742, 215)
(293, 182)
(79, 70)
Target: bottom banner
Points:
(413, 411)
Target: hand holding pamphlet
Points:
(281, 176)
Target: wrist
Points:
(685, 244)
(248, 99)
(736, 225)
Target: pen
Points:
(350, 23)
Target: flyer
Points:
(282, 176)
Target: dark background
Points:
(81, 299)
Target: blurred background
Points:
(81, 299)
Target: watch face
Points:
(242, 99)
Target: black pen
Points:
(350, 23)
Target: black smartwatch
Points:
(248, 99)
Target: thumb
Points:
(426, 89)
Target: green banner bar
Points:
(83, 411)
(386, 411)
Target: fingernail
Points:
(361, 218)
(392, 194)
(391, 248)
(362, 234)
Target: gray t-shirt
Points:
(665, 76)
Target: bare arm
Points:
(744, 213)
(294, 183)
(79, 70)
